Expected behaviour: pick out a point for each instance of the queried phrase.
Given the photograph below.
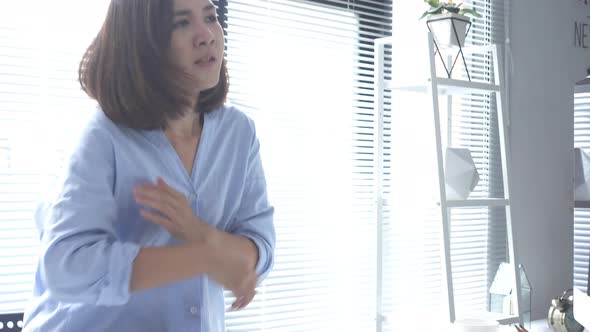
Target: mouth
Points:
(206, 60)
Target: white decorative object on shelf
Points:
(461, 175)
(501, 289)
(448, 22)
(581, 175)
(447, 27)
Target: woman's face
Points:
(197, 42)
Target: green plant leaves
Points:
(433, 3)
(436, 7)
(432, 11)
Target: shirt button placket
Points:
(192, 200)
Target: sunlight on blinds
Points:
(41, 111)
(581, 215)
(297, 68)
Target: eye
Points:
(181, 24)
(211, 18)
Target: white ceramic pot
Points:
(442, 29)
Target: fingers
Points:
(162, 207)
(246, 293)
(242, 301)
(169, 208)
(237, 303)
(160, 197)
(158, 219)
(154, 193)
(168, 189)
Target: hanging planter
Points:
(448, 22)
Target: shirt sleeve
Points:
(255, 216)
(81, 258)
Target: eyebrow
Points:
(186, 12)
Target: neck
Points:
(188, 126)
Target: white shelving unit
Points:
(435, 87)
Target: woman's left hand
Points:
(171, 210)
(243, 300)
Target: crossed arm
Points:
(229, 259)
(235, 260)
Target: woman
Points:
(164, 200)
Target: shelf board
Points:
(582, 204)
(467, 49)
(461, 87)
(447, 86)
(478, 202)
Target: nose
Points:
(204, 37)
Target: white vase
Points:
(443, 32)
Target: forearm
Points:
(228, 247)
(155, 267)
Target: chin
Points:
(208, 85)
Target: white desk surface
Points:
(536, 326)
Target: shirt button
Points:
(194, 310)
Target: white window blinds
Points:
(304, 72)
(582, 210)
(38, 93)
(478, 235)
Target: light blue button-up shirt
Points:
(91, 230)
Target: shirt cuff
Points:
(262, 267)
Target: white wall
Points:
(546, 64)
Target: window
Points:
(41, 108)
(303, 70)
(581, 214)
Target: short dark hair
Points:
(128, 71)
